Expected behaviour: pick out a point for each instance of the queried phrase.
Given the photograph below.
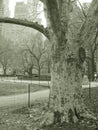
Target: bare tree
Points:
(5, 62)
(37, 51)
(28, 64)
(5, 56)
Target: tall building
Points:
(21, 10)
(1, 8)
(6, 13)
(1, 13)
(6, 8)
(27, 11)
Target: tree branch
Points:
(31, 52)
(82, 9)
(26, 23)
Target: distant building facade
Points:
(21, 10)
(1, 8)
(1, 13)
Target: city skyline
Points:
(13, 2)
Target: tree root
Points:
(48, 119)
(88, 115)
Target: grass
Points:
(8, 88)
(28, 119)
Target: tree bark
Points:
(92, 67)
(39, 72)
(4, 71)
(30, 68)
(66, 84)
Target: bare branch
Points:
(31, 52)
(82, 9)
(26, 23)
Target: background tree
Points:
(47, 56)
(17, 67)
(91, 56)
(27, 63)
(92, 46)
(36, 49)
(5, 57)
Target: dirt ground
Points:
(29, 119)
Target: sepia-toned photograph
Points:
(48, 64)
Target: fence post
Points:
(89, 89)
(29, 105)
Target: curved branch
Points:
(26, 23)
(82, 9)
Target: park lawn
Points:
(91, 103)
(29, 119)
(8, 88)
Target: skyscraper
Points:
(5, 13)
(1, 13)
(21, 10)
(6, 8)
(1, 8)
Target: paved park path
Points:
(22, 99)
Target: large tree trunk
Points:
(66, 70)
(66, 83)
(4, 71)
(30, 71)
